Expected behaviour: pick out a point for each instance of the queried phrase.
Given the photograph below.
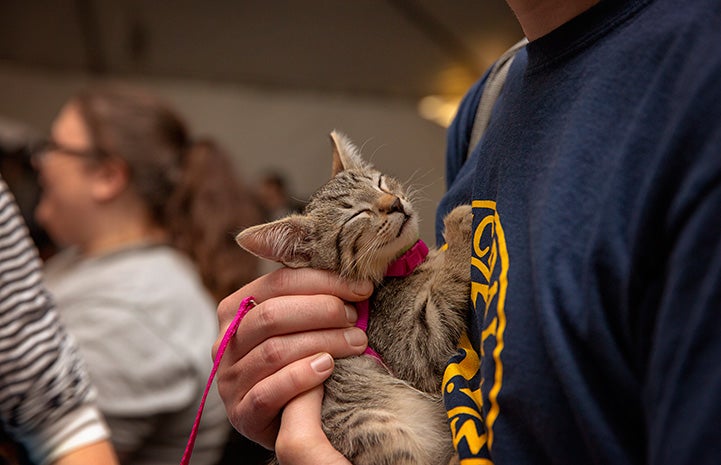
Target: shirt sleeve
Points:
(46, 400)
(683, 385)
(682, 379)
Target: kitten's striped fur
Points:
(355, 225)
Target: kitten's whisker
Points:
(411, 178)
(419, 196)
(373, 155)
(362, 148)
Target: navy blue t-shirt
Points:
(595, 331)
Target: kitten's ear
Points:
(285, 241)
(345, 154)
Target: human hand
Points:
(283, 346)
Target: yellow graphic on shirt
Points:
(466, 388)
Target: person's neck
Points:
(122, 240)
(539, 17)
(118, 232)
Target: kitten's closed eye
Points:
(358, 215)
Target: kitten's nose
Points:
(391, 204)
(397, 206)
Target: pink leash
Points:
(403, 266)
(245, 306)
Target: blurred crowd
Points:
(133, 217)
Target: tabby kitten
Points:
(356, 225)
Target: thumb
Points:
(301, 440)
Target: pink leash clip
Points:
(245, 306)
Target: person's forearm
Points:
(97, 453)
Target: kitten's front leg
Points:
(442, 302)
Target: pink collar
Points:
(399, 268)
(409, 261)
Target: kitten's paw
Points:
(459, 226)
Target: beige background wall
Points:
(264, 129)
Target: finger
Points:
(285, 315)
(238, 375)
(292, 314)
(256, 415)
(286, 281)
(301, 440)
(307, 281)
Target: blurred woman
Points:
(146, 217)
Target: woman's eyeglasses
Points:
(46, 146)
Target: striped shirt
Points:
(46, 401)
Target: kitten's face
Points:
(370, 216)
(355, 225)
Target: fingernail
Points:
(322, 363)
(351, 313)
(356, 337)
(361, 288)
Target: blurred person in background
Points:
(48, 413)
(16, 143)
(276, 202)
(275, 199)
(146, 218)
